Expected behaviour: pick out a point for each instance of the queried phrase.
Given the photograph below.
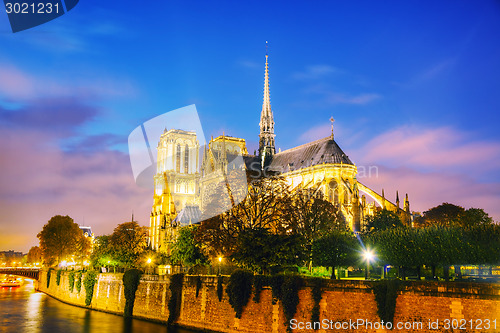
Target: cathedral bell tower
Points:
(266, 136)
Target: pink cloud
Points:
(433, 165)
(427, 190)
(40, 181)
(442, 148)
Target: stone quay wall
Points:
(343, 303)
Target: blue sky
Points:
(413, 86)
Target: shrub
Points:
(174, 302)
(89, 282)
(290, 297)
(48, 277)
(239, 289)
(276, 282)
(386, 293)
(71, 281)
(78, 282)
(131, 280)
(316, 291)
(58, 276)
(220, 288)
(198, 285)
(259, 281)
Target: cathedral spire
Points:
(266, 136)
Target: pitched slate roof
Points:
(313, 153)
(188, 215)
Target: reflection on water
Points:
(22, 309)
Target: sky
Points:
(414, 87)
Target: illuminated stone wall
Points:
(342, 301)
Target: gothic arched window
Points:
(186, 159)
(178, 159)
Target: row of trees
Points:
(275, 227)
(61, 239)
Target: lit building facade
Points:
(320, 165)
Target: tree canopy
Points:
(61, 239)
(185, 250)
(382, 220)
(127, 242)
(34, 255)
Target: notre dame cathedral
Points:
(182, 180)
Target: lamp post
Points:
(220, 260)
(368, 255)
(149, 265)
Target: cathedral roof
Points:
(188, 215)
(321, 151)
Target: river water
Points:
(23, 309)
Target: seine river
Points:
(23, 309)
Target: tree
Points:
(263, 207)
(61, 239)
(311, 217)
(260, 250)
(34, 255)
(382, 220)
(127, 242)
(444, 215)
(102, 252)
(333, 250)
(474, 217)
(185, 250)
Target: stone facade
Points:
(342, 301)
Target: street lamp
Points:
(368, 255)
(220, 261)
(149, 265)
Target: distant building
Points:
(11, 256)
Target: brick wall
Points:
(342, 301)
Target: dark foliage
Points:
(89, 282)
(259, 281)
(131, 280)
(174, 303)
(220, 288)
(386, 293)
(78, 282)
(316, 291)
(198, 285)
(58, 277)
(276, 282)
(290, 297)
(239, 290)
(48, 276)
(71, 281)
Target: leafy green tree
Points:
(102, 252)
(260, 250)
(334, 250)
(473, 217)
(382, 220)
(61, 239)
(263, 207)
(311, 217)
(127, 243)
(34, 255)
(185, 250)
(444, 215)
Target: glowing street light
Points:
(149, 261)
(369, 256)
(220, 261)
